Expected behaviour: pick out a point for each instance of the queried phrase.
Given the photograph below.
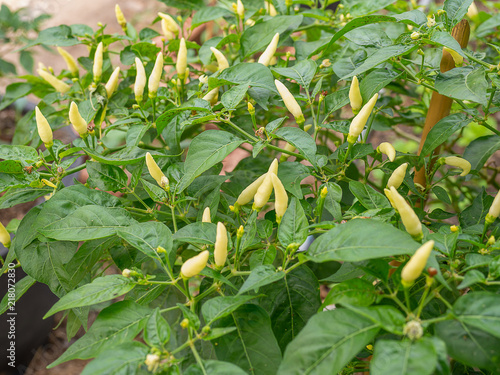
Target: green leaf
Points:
(465, 83)
(294, 226)
(369, 35)
(102, 289)
(260, 276)
(14, 196)
(336, 100)
(381, 55)
(476, 212)
(470, 345)
(206, 150)
(291, 302)
(442, 131)
(13, 92)
(359, 8)
(207, 14)
(184, 4)
(414, 18)
(20, 288)
(302, 141)
(333, 199)
(116, 324)
(124, 359)
(404, 357)
(220, 368)
(357, 292)
(197, 233)
(480, 310)
(157, 330)
(327, 343)
(258, 37)
(361, 239)
(88, 223)
(55, 36)
(441, 194)
(252, 346)
(472, 277)
(249, 74)
(219, 307)
(488, 26)
(368, 196)
(456, 10)
(303, 72)
(376, 81)
(25, 153)
(146, 237)
(291, 174)
(106, 177)
(128, 155)
(232, 97)
(480, 150)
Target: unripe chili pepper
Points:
(181, 64)
(457, 58)
(387, 193)
(112, 83)
(44, 129)
(126, 273)
(355, 95)
(494, 210)
(206, 216)
(220, 249)
(120, 18)
(397, 176)
(273, 168)
(456, 161)
(290, 147)
(410, 219)
(271, 10)
(212, 96)
(77, 120)
(290, 102)
(281, 197)
(415, 35)
(167, 34)
(359, 122)
(193, 266)
(97, 69)
(70, 61)
(413, 269)
(251, 108)
(248, 193)
(4, 236)
(140, 80)
(268, 54)
(156, 172)
(171, 25)
(388, 149)
(56, 83)
(472, 12)
(263, 193)
(221, 59)
(48, 183)
(154, 78)
(240, 9)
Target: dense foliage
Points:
(235, 288)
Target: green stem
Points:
(238, 129)
(51, 151)
(74, 170)
(407, 298)
(174, 221)
(154, 109)
(198, 358)
(470, 57)
(422, 300)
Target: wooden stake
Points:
(440, 105)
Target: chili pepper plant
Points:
(313, 250)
